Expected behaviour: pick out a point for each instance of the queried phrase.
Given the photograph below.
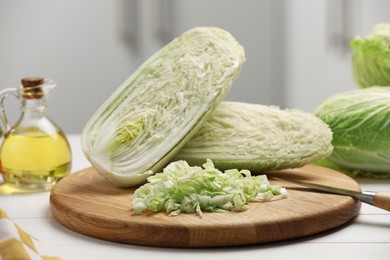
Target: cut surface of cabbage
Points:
(360, 121)
(152, 114)
(258, 137)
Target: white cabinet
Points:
(79, 44)
(316, 67)
(257, 25)
(90, 47)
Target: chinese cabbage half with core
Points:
(360, 121)
(158, 108)
(258, 138)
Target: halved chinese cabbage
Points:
(258, 138)
(155, 111)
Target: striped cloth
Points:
(17, 244)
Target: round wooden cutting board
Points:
(88, 204)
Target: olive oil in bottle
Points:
(35, 161)
(35, 153)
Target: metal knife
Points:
(377, 199)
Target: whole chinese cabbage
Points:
(158, 108)
(258, 138)
(360, 121)
(371, 59)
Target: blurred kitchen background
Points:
(297, 50)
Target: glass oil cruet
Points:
(35, 153)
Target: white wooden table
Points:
(365, 237)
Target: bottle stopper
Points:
(32, 87)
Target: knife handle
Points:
(382, 200)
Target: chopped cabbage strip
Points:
(182, 188)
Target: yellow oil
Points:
(35, 161)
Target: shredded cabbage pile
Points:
(182, 188)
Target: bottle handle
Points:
(4, 126)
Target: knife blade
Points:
(377, 199)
